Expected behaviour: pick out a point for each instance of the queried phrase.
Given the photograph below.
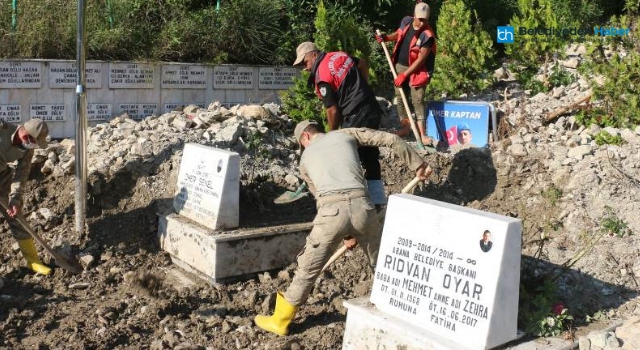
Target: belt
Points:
(333, 197)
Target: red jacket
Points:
(422, 76)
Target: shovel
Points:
(343, 249)
(62, 260)
(289, 196)
(416, 133)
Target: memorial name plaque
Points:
(184, 77)
(232, 77)
(450, 270)
(209, 187)
(63, 75)
(138, 111)
(169, 107)
(10, 113)
(98, 111)
(131, 76)
(48, 113)
(276, 78)
(18, 75)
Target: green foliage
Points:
(301, 103)
(464, 51)
(616, 79)
(560, 77)
(612, 225)
(336, 31)
(604, 138)
(538, 312)
(529, 50)
(552, 194)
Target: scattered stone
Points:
(579, 152)
(80, 285)
(86, 261)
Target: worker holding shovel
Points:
(414, 57)
(331, 167)
(17, 144)
(340, 80)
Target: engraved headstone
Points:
(16, 75)
(131, 76)
(450, 270)
(176, 76)
(48, 113)
(98, 111)
(209, 187)
(232, 77)
(276, 78)
(63, 75)
(10, 113)
(138, 111)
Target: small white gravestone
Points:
(209, 187)
(435, 272)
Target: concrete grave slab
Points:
(218, 256)
(434, 271)
(209, 187)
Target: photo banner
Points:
(460, 122)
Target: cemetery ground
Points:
(578, 201)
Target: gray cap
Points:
(38, 130)
(302, 50)
(297, 133)
(422, 10)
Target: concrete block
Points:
(221, 255)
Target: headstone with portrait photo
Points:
(448, 272)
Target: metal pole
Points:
(81, 123)
(14, 15)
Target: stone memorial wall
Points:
(46, 89)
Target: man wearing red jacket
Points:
(340, 81)
(414, 57)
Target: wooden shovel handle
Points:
(343, 249)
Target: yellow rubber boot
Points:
(28, 249)
(278, 323)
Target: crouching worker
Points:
(16, 145)
(332, 170)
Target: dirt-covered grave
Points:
(578, 202)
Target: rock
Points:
(254, 111)
(598, 338)
(182, 123)
(80, 285)
(518, 150)
(629, 136)
(579, 152)
(612, 131)
(47, 167)
(571, 63)
(69, 145)
(292, 180)
(229, 134)
(584, 343)
(86, 261)
(558, 92)
(501, 73)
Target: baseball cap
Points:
(422, 10)
(302, 50)
(38, 130)
(297, 133)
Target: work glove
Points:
(381, 38)
(399, 80)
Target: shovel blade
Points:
(289, 197)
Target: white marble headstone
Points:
(208, 190)
(434, 272)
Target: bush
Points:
(300, 101)
(615, 78)
(464, 51)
